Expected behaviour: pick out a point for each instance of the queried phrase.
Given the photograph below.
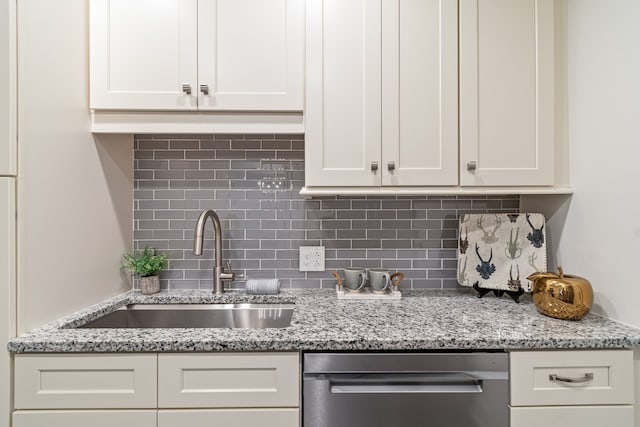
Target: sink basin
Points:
(247, 316)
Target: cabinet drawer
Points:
(563, 416)
(85, 381)
(228, 380)
(611, 381)
(146, 418)
(280, 417)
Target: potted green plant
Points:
(146, 265)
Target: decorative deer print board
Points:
(499, 251)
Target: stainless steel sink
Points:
(247, 316)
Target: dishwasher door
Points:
(405, 390)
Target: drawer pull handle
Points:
(558, 379)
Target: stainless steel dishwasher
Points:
(405, 389)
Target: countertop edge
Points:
(468, 323)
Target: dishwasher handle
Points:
(458, 382)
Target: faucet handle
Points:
(228, 275)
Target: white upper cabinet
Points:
(250, 54)
(197, 54)
(343, 93)
(142, 53)
(431, 96)
(381, 106)
(506, 92)
(420, 92)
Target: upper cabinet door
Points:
(343, 93)
(506, 92)
(419, 92)
(251, 54)
(197, 54)
(142, 53)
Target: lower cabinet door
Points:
(607, 378)
(72, 418)
(229, 380)
(570, 416)
(277, 417)
(86, 381)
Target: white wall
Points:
(601, 236)
(75, 193)
(595, 233)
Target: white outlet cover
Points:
(311, 258)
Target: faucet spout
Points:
(219, 275)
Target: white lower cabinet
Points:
(571, 388)
(228, 380)
(567, 416)
(75, 418)
(69, 381)
(145, 390)
(273, 417)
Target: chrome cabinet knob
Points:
(472, 165)
(374, 166)
(391, 166)
(204, 89)
(186, 88)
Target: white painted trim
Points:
(7, 292)
(308, 192)
(8, 89)
(195, 122)
(8, 167)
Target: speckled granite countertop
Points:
(421, 320)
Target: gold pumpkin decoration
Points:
(561, 296)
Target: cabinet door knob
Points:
(472, 165)
(391, 166)
(186, 88)
(204, 89)
(374, 166)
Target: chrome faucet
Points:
(219, 275)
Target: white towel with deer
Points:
(499, 251)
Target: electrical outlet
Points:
(311, 258)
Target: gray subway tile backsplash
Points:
(176, 176)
